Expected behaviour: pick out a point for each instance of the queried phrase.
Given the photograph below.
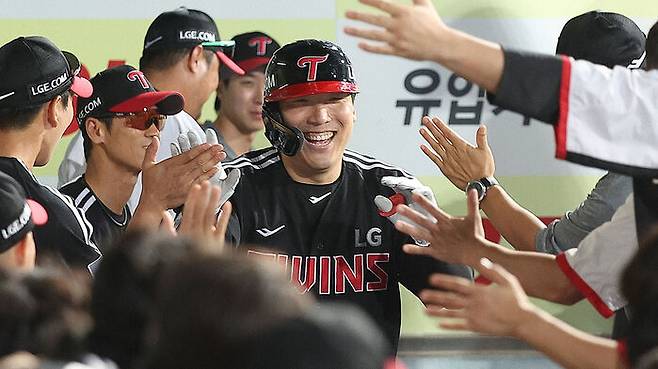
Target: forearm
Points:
(477, 60)
(539, 274)
(566, 345)
(516, 224)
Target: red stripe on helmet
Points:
(311, 88)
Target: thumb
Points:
(481, 138)
(167, 224)
(151, 153)
(495, 273)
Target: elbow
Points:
(565, 294)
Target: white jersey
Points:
(74, 163)
(596, 266)
(608, 117)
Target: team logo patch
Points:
(135, 75)
(312, 62)
(260, 43)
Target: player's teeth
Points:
(319, 136)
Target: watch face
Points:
(479, 187)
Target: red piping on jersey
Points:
(396, 199)
(583, 287)
(561, 126)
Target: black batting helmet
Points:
(302, 68)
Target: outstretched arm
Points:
(417, 32)
(462, 162)
(502, 308)
(461, 240)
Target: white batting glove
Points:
(226, 183)
(404, 187)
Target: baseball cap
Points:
(603, 38)
(33, 71)
(252, 50)
(19, 215)
(124, 89)
(183, 28)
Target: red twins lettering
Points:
(334, 275)
(135, 75)
(260, 43)
(312, 62)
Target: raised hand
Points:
(457, 159)
(200, 218)
(500, 308)
(165, 184)
(404, 189)
(452, 239)
(227, 183)
(409, 31)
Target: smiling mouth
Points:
(319, 138)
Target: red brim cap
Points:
(167, 102)
(39, 213)
(229, 63)
(82, 87)
(250, 64)
(311, 88)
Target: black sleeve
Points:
(530, 85)
(415, 270)
(233, 231)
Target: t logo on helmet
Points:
(312, 62)
(135, 75)
(260, 43)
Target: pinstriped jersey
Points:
(107, 224)
(330, 238)
(67, 236)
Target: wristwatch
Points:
(481, 186)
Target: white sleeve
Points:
(74, 164)
(596, 266)
(608, 118)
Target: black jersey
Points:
(331, 238)
(67, 236)
(107, 225)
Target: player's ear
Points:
(96, 130)
(194, 58)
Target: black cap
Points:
(33, 71)
(182, 28)
(124, 89)
(19, 215)
(603, 38)
(308, 67)
(252, 50)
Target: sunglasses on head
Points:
(143, 120)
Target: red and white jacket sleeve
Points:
(596, 266)
(608, 118)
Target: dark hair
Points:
(640, 287)
(652, 48)
(124, 292)
(162, 59)
(86, 141)
(47, 312)
(19, 118)
(228, 298)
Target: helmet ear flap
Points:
(288, 140)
